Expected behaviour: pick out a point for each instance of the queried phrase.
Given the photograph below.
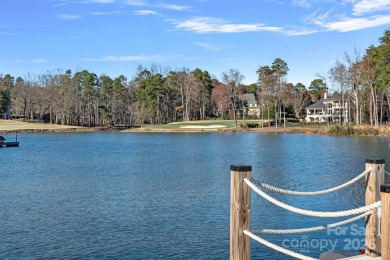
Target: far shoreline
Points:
(18, 127)
(292, 130)
(27, 128)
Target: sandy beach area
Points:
(13, 126)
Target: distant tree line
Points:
(83, 98)
(158, 95)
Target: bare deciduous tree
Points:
(232, 80)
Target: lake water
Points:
(166, 196)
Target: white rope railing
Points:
(310, 212)
(277, 248)
(310, 193)
(305, 230)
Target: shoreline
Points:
(54, 130)
(17, 127)
(72, 129)
(292, 130)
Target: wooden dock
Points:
(9, 144)
(3, 143)
(376, 213)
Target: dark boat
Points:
(3, 143)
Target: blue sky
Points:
(113, 37)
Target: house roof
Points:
(250, 98)
(317, 105)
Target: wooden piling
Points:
(374, 180)
(240, 200)
(385, 230)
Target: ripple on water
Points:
(151, 196)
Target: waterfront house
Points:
(327, 110)
(248, 105)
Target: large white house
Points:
(327, 110)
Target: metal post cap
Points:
(375, 161)
(241, 168)
(385, 188)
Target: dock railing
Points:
(377, 226)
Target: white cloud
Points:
(68, 17)
(106, 13)
(336, 20)
(344, 2)
(300, 32)
(216, 25)
(318, 19)
(145, 12)
(302, 3)
(136, 2)
(353, 24)
(207, 46)
(174, 7)
(102, 1)
(163, 6)
(140, 57)
(66, 2)
(369, 6)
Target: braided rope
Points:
(310, 212)
(276, 247)
(305, 230)
(310, 193)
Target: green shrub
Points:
(341, 130)
(367, 131)
(348, 130)
(249, 125)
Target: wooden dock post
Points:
(385, 230)
(240, 202)
(374, 180)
